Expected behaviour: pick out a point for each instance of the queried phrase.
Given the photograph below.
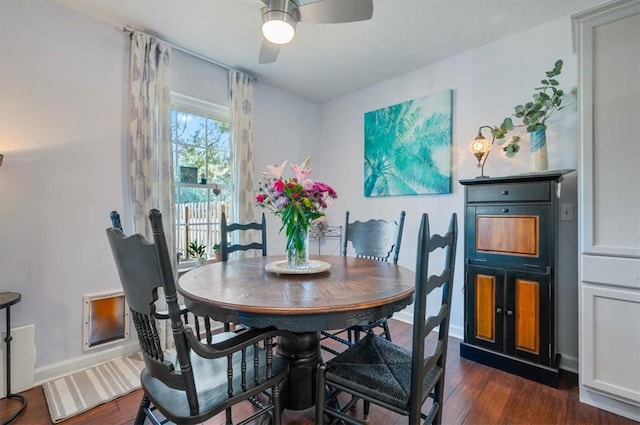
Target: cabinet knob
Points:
(505, 210)
(505, 192)
(509, 312)
(498, 310)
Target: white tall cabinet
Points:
(607, 40)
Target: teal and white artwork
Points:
(407, 147)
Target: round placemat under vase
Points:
(314, 267)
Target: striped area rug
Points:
(80, 391)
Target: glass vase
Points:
(298, 249)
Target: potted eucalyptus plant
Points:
(547, 100)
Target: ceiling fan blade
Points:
(336, 11)
(268, 52)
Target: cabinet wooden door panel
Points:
(511, 234)
(528, 315)
(509, 312)
(485, 286)
(485, 302)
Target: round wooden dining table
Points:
(350, 291)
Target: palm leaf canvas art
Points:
(407, 147)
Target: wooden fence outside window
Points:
(200, 222)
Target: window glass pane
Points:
(193, 131)
(198, 217)
(219, 170)
(202, 164)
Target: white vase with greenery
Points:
(547, 100)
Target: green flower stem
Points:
(295, 222)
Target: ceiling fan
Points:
(279, 19)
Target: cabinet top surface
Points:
(524, 177)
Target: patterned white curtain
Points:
(150, 162)
(241, 113)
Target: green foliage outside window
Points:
(203, 143)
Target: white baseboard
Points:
(569, 363)
(456, 332)
(404, 316)
(407, 317)
(88, 360)
(610, 404)
(83, 362)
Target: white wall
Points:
(63, 126)
(487, 82)
(62, 109)
(285, 128)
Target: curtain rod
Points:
(185, 50)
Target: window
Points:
(202, 169)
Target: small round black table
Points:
(7, 299)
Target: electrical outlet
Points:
(566, 212)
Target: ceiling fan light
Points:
(278, 27)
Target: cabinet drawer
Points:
(510, 192)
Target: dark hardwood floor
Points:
(474, 395)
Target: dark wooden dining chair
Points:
(115, 220)
(199, 380)
(227, 247)
(203, 325)
(381, 372)
(376, 240)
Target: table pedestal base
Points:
(303, 354)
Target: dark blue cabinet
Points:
(510, 258)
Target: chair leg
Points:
(387, 333)
(227, 413)
(439, 395)
(365, 411)
(275, 400)
(144, 405)
(354, 407)
(320, 394)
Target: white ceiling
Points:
(325, 61)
